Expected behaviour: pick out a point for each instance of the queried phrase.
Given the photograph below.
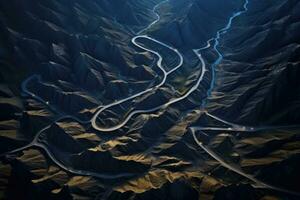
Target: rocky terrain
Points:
(150, 99)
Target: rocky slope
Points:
(61, 60)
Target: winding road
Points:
(154, 11)
(165, 75)
(236, 169)
(93, 121)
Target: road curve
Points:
(82, 172)
(36, 137)
(238, 170)
(36, 143)
(239, 128)
(34, 96)
(234, 127)
(165, 75)
(203, 70)
(135, 112)
(157, 17)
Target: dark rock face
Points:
(197, 22)
(62, 61)
(236, 192)
(270, 65)
(178, 190)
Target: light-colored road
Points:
(238, 128)
(165, 75)
(37, 144)
(135, 112)
(70, 169)
(41, 100)
(34, 96)
(154, 11)
(232, 126)
(237, 169)
(215, 42)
